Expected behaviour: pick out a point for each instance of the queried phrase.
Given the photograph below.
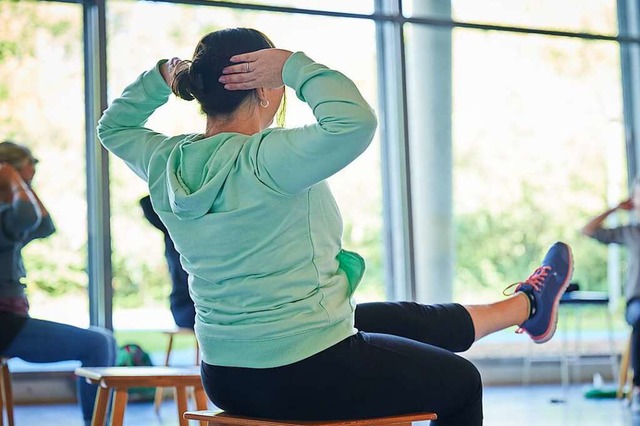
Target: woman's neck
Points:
(246, 122)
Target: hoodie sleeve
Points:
(43, 230)
(291, 160)
(612, 235)
(121, 129)
(22, 221)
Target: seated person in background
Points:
(629, 236)
(180, 302)
(24, 218)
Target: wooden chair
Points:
(157, 401)
(120, 379)
(220, 418)
(625, 373)
(6, 399)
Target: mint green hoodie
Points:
(253, 218)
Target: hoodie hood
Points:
(196, 171)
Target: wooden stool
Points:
(625, 374)
(220, 418)
(123, 378)
(157, 400)
(6, 399)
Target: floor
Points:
(504, 406)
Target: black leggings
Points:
(400, 362)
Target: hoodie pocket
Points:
(353, 266)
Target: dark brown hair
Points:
(16, 155)
(198, 78)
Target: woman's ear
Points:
(261, 93)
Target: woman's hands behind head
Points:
(9, 179)
(8, 174)
(167, 70)
(626, 204)
(262, 68)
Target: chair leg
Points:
(181, 402)
(7, 393)
(157, 399)
(623, 374)
(119, 405)
(613, 355)
(201, 401)
(100, 407)
(201, 398)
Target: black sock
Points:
(532, 302)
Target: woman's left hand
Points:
(262, 68)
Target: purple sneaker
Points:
(544, 288)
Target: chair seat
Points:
(120, 379)
(141, 376)
(222, 418)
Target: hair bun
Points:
(181, 84)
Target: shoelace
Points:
(535, 280)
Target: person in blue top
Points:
(180, 302)
(259, 233)
(24, 218)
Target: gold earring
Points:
(264, 103)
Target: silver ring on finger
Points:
(247, 65)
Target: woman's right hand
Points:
(9, 180)
(626, 204)
(167, 70)
(8, 174)
(262, 68)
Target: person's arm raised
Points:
(596, 223)
(46, 226)
(291, 160)
(24, 214)
(121, 128)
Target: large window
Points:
(595, 16)
(42, 106)
(534, 149)
(538, 142)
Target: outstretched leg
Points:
(497, 316)
(533, 307)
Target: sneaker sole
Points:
(547, 335)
